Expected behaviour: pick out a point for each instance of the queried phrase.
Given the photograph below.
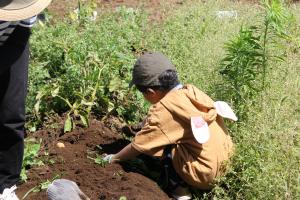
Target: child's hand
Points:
(109, 158)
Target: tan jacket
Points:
(169, 122)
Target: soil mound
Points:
(74, 162)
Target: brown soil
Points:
(156, 8)
(72, 162)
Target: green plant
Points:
(99, 160)
(266, 161)
(248, 57)
(241, 69)
(276, 18)
(30, 157)
(80, 109)
(123, 198)
(73, 57)
(85, 11)
(40, 187)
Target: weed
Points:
(30, 157)
(40, 187)
(248, 57)
(99, 160)
(86, 69)
(123, 198)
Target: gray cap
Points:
(148, 67)
(63, 189)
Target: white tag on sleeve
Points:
(200, 129)
(224, 110)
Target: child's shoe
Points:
(181, 193)
(9, 194)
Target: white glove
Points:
(109, 158)
(63, 189)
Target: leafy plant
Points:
(276, 18)
(40, 187)
(85, 12)
(30, 157)
(248, 57)
(241, 68)
(99, 160)
(86, 69)
(123, 198)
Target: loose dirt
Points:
(72, 162)
(157, 9)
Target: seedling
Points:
(123, 198)
(99, 160)
(42, 186)
(30, 157)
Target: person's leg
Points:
(170, 181)
(13, 86)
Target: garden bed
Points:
(74, 162)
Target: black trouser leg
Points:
(13, 86)
(169, 179)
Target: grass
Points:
(266, 161)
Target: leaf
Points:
(123, 198)
(88, 103)
(39, 95)
(45, 185)
(114, 84)
(37, 107)
(55, 92)
(68, 124)
(32, 129)
(84, 120)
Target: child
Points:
(183, 128)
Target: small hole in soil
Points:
(114, 147)
(102, 197)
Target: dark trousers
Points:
(169, 179)
(14, 55)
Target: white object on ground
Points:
(60, 145)
(200, 129)
(63, 189)
(9, 194)
(224, 110)
(108, 158)
(94, 15)
(181, 193)
(226, 14)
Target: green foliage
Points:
(30, 157)
(99, 160)
(241, 69)
(248, 57)
(265, 165)
(40, 187)
(81, 68)
(84, 12)
(123, 198)
(69, 56)
(248, 79)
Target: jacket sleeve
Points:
(151, 140)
